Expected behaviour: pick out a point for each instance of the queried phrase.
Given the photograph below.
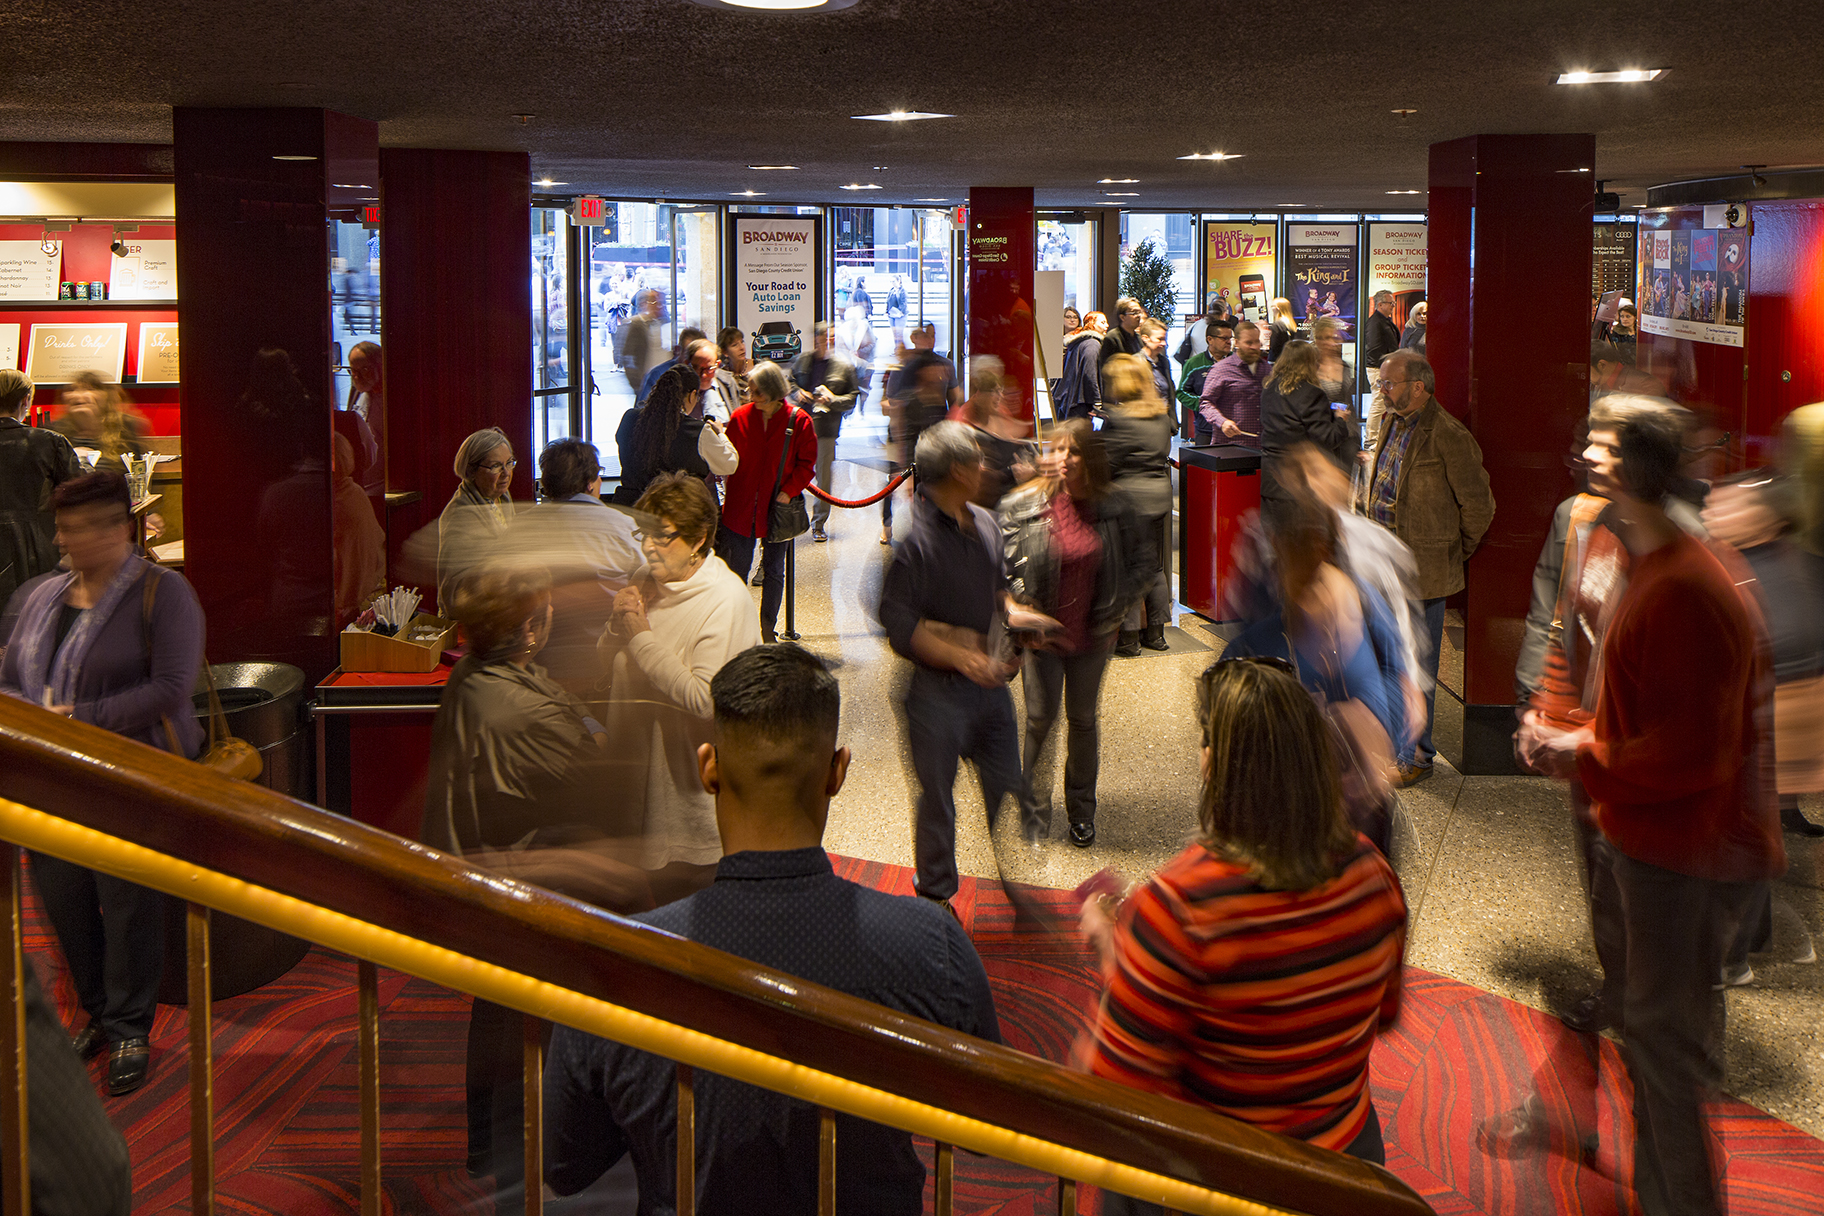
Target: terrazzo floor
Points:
(1487, 862)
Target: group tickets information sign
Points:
(1396, 263)
(1320, 274)
(773, 277)
(1238, 268)
(58, 352)
(27, 272)
(1694, 284)
(146, 270)
(157, 353)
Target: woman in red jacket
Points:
(767, 475)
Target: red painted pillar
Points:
(253, 276)
(1509, 334)
(456, 308)
(1003, 253)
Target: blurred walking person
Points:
(1137, 435)
(1295, 409)
(825, 385)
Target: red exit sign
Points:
(370, 217)
(589, 211)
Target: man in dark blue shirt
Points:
(944, 603)
(773, 769)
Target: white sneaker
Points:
(1739, 976)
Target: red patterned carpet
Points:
(287, 1115)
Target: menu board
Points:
(147, 272)
(9, 345)
(27, 272)
(58, 352)
(158, 353)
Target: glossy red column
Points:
(253, 277)
(1508, 311)
(1003, 252)
(456, 308)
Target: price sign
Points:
(157, 354)
(27, 272)
(58, 352)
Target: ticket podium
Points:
(1218, 486)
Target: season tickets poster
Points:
(1320, 274)
(1396, 263)
(1694, 284)
(1239, 268)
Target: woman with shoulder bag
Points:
(101, 645)
(1075, 554)
(763, 502)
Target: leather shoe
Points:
(1793, 820)
(1082, 834)
(128, 1066)
(819, 535)
(1588, 1016)
(1412, 774)
(89, 1041)
(1127, 644)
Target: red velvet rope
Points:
(862, 502)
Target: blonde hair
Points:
(1323, 327)
(1296, 367)
(1282, 311)
(1130, 387)
(16, 390)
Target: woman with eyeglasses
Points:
(478, 513)
(684, 616)
(1252, 973)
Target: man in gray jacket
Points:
(825, 386)
(1428, 486)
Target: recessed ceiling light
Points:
(859, 186)
(747, 193)
(350, 186)
(1405, 192)
(1214, 156)
(930, 200)
(1291, 204)
(1120, 194)
(1116, 181)
(294, 158)
(545, 181)
(779, 6)
(1573, 170)
(1403, 113)
(765, 167)
(900, 116)
(1630, 76)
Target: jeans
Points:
(1672, 1025)
(949, 719)
(1154, 608)
(1608, 926)
(1368, 1145)
(738, 552)
(1422, 752)
(113, 936)
(1076, 680)
(826, 456)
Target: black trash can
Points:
(262, 702)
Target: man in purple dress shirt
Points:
(1231, 392)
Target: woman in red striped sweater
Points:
(1251, 974)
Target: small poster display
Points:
(1694, 284)
(58, 352)
(775, 282)
(27, 272)
(157, 353)
(148, 271)
(9, 345)
(1396, 263)
(1320, 274)
(1239, 268)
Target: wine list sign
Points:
(57, 353)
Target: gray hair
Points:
(1382, 294)
(986, 374)
(16, 390)
(943, 447)
(1417, 368)
(768, 381)
(475, 449)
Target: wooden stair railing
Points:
(113, 786)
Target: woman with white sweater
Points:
(684, 616)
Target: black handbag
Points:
(790, 519)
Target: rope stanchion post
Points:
(791, 591)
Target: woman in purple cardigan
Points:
(117, 643)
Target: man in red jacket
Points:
(1677, 763)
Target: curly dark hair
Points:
(656, 426)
